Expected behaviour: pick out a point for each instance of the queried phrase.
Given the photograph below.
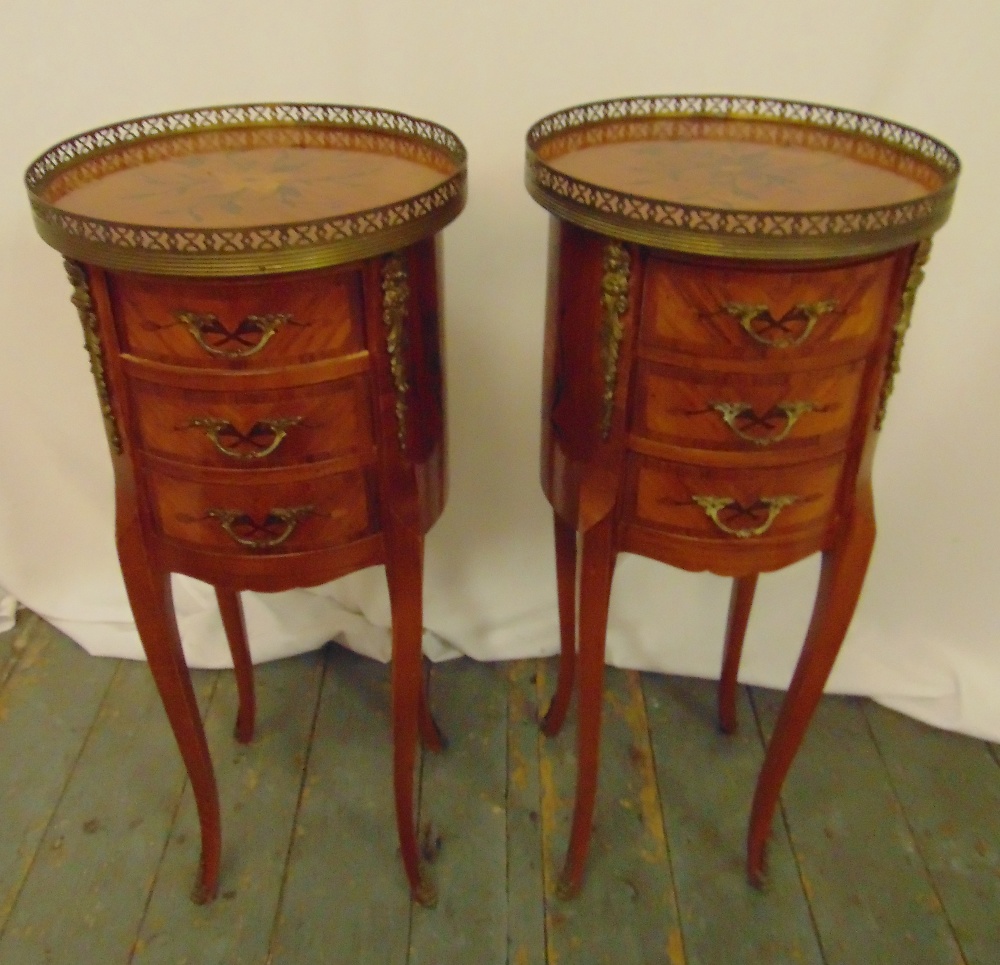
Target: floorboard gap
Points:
(166, 842)
(70, 772)
(803, 881)
(298, 805)
(913, 833)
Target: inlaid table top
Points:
(246, 189)
(742, 176)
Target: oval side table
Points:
(259, 287)
(730, 281)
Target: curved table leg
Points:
(595, 594)
(565, 539)
(152, 604)
(431, 735)
(404, 571)
(236, 635)
(739, 614)
(841, 577)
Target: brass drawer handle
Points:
(218, 430)
(779, 332)
(714, 505)
(276, 526)
(735, 413)
(250, 336)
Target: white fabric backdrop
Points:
(925, 636)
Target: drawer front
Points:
(741, 412)
(255, 517)
(255, 430)
(736, 313)
(239, 323)
(734, 505)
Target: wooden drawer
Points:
(740, 505)
(809, 412)
(761, 313)
(239, 323)
(255, 429)
(282, 511)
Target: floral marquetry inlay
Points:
(741, 176)
(247, 190)
(251, 185)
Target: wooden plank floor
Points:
(886, 848)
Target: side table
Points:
(259, 287)
(730, 281)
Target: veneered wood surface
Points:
(661, 494)
(249, 177)
(684, 309)
(738, 164)
(663, 477)
(322, 307)
(684, 407)
(335, 508)
(328, 504)
(311, 423)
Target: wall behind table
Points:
(925, 636)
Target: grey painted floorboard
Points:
(893, 826)
(345, 897)
(96, 863)
(706, 781)
(872, 899)
(525, 888)
(259, 788)
(47, 708)
(949, 787)
(462, 812)
(626, 910)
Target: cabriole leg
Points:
(152, 604)
(404, 571)
(431, 735)
(595, 593)
(739, 614)
(841, 578)
(565, 540)
(236, 635)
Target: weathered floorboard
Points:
(97, 861)
(894, 825)
(259, 788)
(525, 894)
(949, 787)
(463, 823)
(47, 708)
(706, 780)
(345, 897)
(870, 893)
(626, 910)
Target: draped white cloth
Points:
(925, 638)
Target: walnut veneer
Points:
(273, 393)
(716, 372)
